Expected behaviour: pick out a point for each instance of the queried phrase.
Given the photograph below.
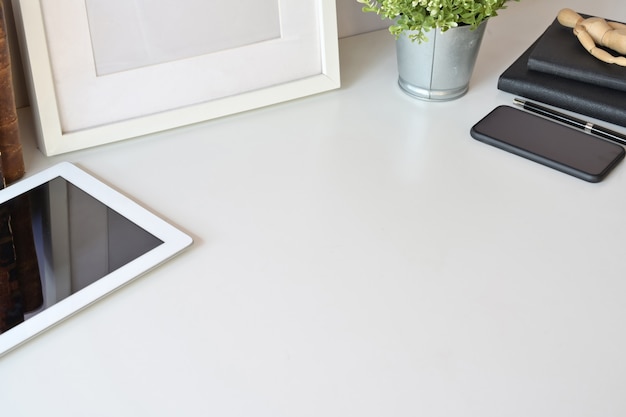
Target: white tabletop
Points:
(356, 253)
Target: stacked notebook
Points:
(557, 70)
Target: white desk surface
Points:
(356, 254)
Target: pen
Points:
(588, 127)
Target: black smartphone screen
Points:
(549, 143)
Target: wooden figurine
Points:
(594, 32)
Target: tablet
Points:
(67, 240)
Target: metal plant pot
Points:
(439, 69)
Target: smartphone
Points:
(557, 146)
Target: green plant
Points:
(420, 16)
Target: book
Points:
(560, 53)
(595, 101)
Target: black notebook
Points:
(602, 103)
(559, 52)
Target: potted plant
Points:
(437, 65)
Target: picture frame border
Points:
(51, 138)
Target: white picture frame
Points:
(56, 46)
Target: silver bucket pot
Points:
(439, 69)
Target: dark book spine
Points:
(565, 98)
(595, 78)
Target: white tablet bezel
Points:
(174, 241)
